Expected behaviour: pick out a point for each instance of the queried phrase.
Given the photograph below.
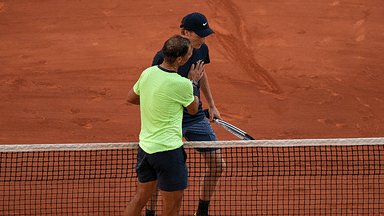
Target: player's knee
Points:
(221, 168)
(172, 202)
(217, 168)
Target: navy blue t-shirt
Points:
(198, 54)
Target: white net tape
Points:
(222, 144)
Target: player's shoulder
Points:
(184, 84)
(159, 53)
(150, 70)
(204, 46)
(158, 59)
(202, 52)
(176, 83)
(177, 79)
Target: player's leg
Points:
(172, 178)
(150, 208)
(215, 165)
(143, 193)
(147, 177)
(172, 202)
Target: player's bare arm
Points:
(193, 107)
(204, 85)
(133, 98)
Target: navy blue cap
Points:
(197, 23)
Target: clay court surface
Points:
(282, 69)
(279, 69)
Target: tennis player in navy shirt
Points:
(196, 127)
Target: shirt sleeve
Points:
(136, 87)
(185, 93)
(190, 97)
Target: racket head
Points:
(231, 128)
(234, 130)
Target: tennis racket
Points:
(232, 129)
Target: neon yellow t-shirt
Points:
(162, 97)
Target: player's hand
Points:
(197, 71)
(213, 112)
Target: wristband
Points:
(194, 83)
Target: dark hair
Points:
(174, 47)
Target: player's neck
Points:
(169, 67)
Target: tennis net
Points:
(262, 177)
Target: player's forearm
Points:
(204, 86)
(194, 106)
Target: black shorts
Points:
(169, 168)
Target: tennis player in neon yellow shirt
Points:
(162, 94)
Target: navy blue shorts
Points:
(201, 131)
(169, 168)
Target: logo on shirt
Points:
(204, 24)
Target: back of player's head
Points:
(174, 47)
